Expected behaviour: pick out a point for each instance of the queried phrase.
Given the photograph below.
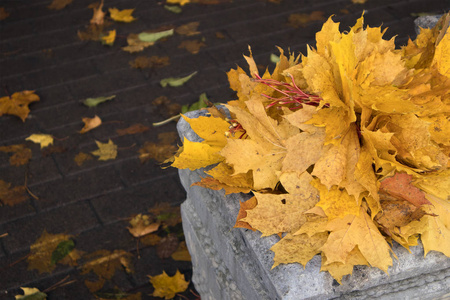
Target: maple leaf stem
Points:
(166, 121)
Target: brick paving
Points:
(40, 50)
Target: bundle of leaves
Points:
(345, 149)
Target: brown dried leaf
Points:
(21, 154)
(90, 123)
(244, 206)
(59, 4)
(81, 157)
(12, 196)
(165, 107)
(53, 149)
(399, 186)
(188, 29)
(158, 152)
(192, 46)
(150, 239)
(99, 15)
(141, 225)
(214, 184)
(182, 253)
(167, 246)
(133, 129)
(17, 104)
(105, 263)
(142, 62)
(167, 214)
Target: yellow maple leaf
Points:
(42, 139)
(351, 231)
(442, 54)
(17, 104)
(339, 270)
(106, 151)
(141, 225)
(167, 286)
(284, 212)
(122, 15)
(194, 155)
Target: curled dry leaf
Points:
(109, 38)
(3, 13)
(99, 14)
(21, 154)
(182, 253)
(90, 123)
(122, 15)
(141, 225)
(31, 293)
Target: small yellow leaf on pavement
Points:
(43, 139)
(109, 38)
(31, 293)
(12, 196)
(90, 123)
(122, 15)
(59, 4)
(166, 286)
(99, 15)
(106, 151)
(180, 2)
(141, 225)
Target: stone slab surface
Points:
(220, 252)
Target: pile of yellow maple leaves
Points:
(345, 151)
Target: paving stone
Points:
(78, 187)
(127, 203)
(71, 219)
(21, 210)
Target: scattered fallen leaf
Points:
(220, 35)
(274, 58)
(31, 294)
(133, 129)
(99, 15)
(301, 20)
(188, 29)
(142, 62)
(91, 102)
(179, 2)
(59, 4)
(166, 286)
(17, 104)
(167, 246)
(152, 37)
(176, 81)
(159, 151)
(141, 225)
(3, 14)
(165, 107)
(104, 264)
(192, 46)
(12, 196)
(214, 184)
(42, 139)
(359, 1)
(90, 123)
(21, 154)
(173, 8)
(182, 253)
(44, 254)
(122, 15)
(106, 151)
(81, 157)
(109, 38)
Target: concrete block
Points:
(230, 263)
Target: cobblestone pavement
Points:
(40, 51)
